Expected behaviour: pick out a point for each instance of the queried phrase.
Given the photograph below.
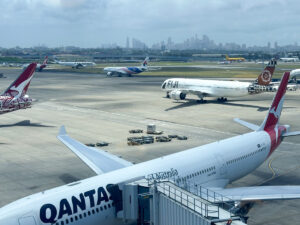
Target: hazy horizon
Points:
(91, 23)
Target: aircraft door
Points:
(28, 220)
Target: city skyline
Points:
(90, 23)
(190, 43)
(196, 43)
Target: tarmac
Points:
(97, 108)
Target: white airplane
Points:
(178, 88)
(127, 70)
(294, 74)
(76, 65)
(89, 201)
(39, 67)
(289, 59)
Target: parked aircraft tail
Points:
(274, 113)
(271, 121)
(44, 63)
(145, 62)
(20, 86)
(265, 77)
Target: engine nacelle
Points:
(177, 95)
(109, 73)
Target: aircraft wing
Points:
(203, 91)
(261, 193)
(98, 160)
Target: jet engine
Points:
(177, 95)
(109, 73)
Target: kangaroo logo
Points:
(277, 112)
(19, 89)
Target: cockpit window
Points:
(164, 85)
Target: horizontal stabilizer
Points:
(98, 160)
(251, 126)
(261, 193)
(289, 134)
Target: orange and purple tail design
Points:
(265, 77)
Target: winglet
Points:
(275, 110)
(62, 131)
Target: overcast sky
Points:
(89, 23)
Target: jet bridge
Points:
(164, 202)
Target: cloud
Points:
(92, 22)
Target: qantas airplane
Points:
(75, 65)
(127, 70)
(89, 201)
(15, 96)
(178, 88)
(39, 67)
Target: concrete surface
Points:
(96, 108)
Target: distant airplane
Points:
(98, 199)
(15, 97)
(289, 59)
(178, 88)
(39, 67)
(236, 59)
(127, 70)
(294, 74)
(75, 65)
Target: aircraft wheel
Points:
(201, 101)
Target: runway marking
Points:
(270, 167)
(272, 170)
(274, 175)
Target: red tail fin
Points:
(275, 110)
(266, 75)
(20, 85)
(45, 61)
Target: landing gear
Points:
(222, 99)
(202, 101)
(167, 95)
